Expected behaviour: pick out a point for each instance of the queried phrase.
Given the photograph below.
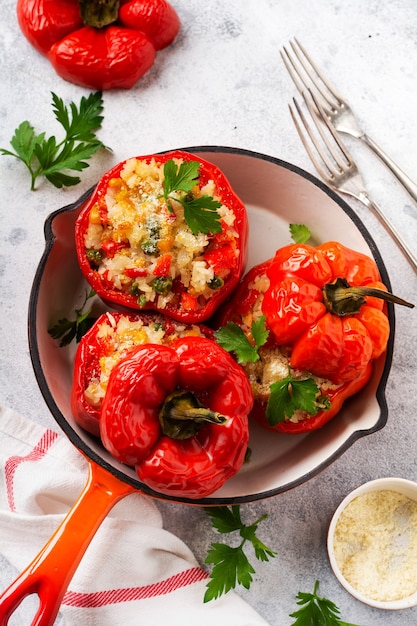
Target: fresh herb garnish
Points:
(200, 213)
(66, 330)
(232, 338)
(290, 394)
(316, 611)
(231, 565)
(300, 233)
(45, 156)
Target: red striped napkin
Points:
(134, 572)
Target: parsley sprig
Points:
(66, 330)
(232, 338)
(46, 156)
(290, 394)
(231, 565)
(316, 611)
(300, 233)
(200, 213)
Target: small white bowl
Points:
(400, 485)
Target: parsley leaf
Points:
(259, 331)
(300, 233)
(316, 611)
(225, 520)
(288, 395)
(182, 178)
(45, 156)
(200, 213)
(66, 330)
(231, 565)
(232, 338)
(80, 125)
(24, 142)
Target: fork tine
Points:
(316, 111)
(341, 158)
(296, 77)
(303, 78)
(326, 175)
(306, 75)
(331, 89)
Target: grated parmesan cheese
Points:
(375, 545)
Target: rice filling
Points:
(142, 246)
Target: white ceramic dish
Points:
(400, 485)
(276, 194)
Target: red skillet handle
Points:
(51, 570)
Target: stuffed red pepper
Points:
(164, 232)
(317, 318)
(109, 340)
(179, 415)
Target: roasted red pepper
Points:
(329, 341)
(109, 339)
(96, 44)
(322, 321)
(178, 414)
(176, 232)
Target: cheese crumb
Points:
(375, 545)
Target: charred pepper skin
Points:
(341, 349)
(185, 308)
(130, 428)
(110, 57)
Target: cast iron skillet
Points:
(276, 194)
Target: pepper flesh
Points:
(288, 291)
(130, 429)
(114, 56)
(184, 305)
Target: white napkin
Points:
(134, 572)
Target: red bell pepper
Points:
(178, 414)
(108, 340)
(96, 44)
(327, 329)
(162, 265)
(171, 260)
(323, 309)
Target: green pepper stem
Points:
(99, 13)
(342, 299)
(380, 293)
(182, 415)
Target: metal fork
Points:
(335, 164)
(306, 75)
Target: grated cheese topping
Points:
(375, 545)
